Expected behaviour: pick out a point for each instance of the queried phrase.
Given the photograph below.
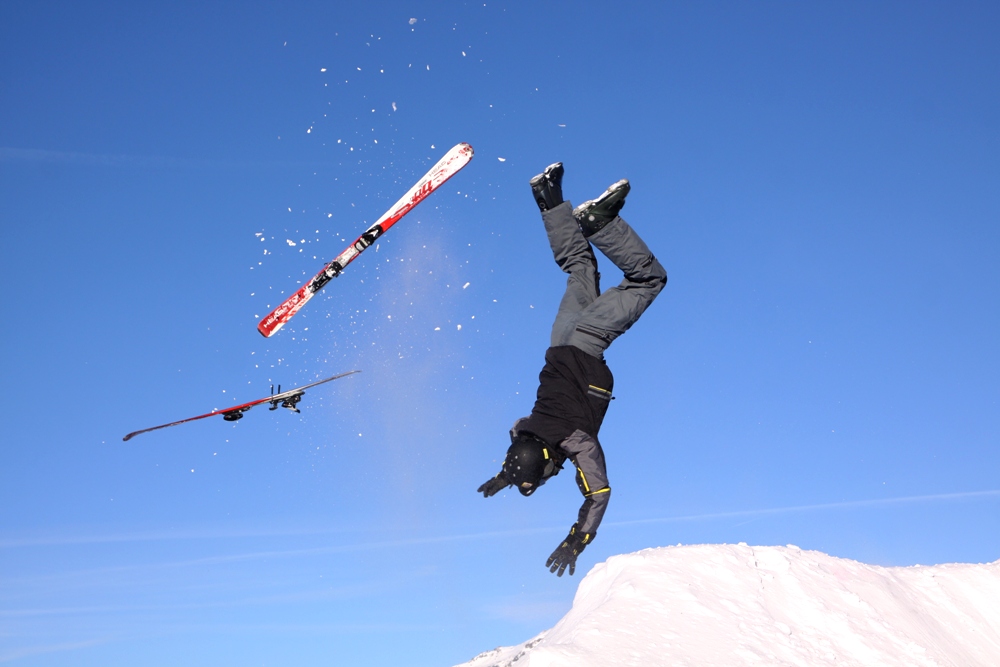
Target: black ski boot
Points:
(593, 215)
(547, 187)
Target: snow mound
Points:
(739, 605)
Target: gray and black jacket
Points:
(574, 391)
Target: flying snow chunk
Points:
(412, 21)
(502, 159)
(393, 106)
(290, 242)
(459, 327)
(322, 69)
(466, 285)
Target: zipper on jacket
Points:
(599, 392)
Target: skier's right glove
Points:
(565, 554)
(494, 486)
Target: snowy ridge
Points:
(736, 605)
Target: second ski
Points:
(448, 166)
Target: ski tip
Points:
(128, 437)
(462, 149)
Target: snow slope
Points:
(739, 605)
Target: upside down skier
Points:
(575, 384)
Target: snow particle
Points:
(412, 21)
(502, 159)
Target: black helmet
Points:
(527, 463)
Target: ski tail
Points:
(449, 165)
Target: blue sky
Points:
(819, 180)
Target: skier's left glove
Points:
(494, 486)
(565, 555)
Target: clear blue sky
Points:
(819, 179)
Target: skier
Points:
(575, 384)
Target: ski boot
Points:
(547, 187)
(593, 215)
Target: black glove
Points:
(565, 555)
(494, 486)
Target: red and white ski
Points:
(448, 166)
(286, 399)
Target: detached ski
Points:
(448, 166)
(286, 399)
